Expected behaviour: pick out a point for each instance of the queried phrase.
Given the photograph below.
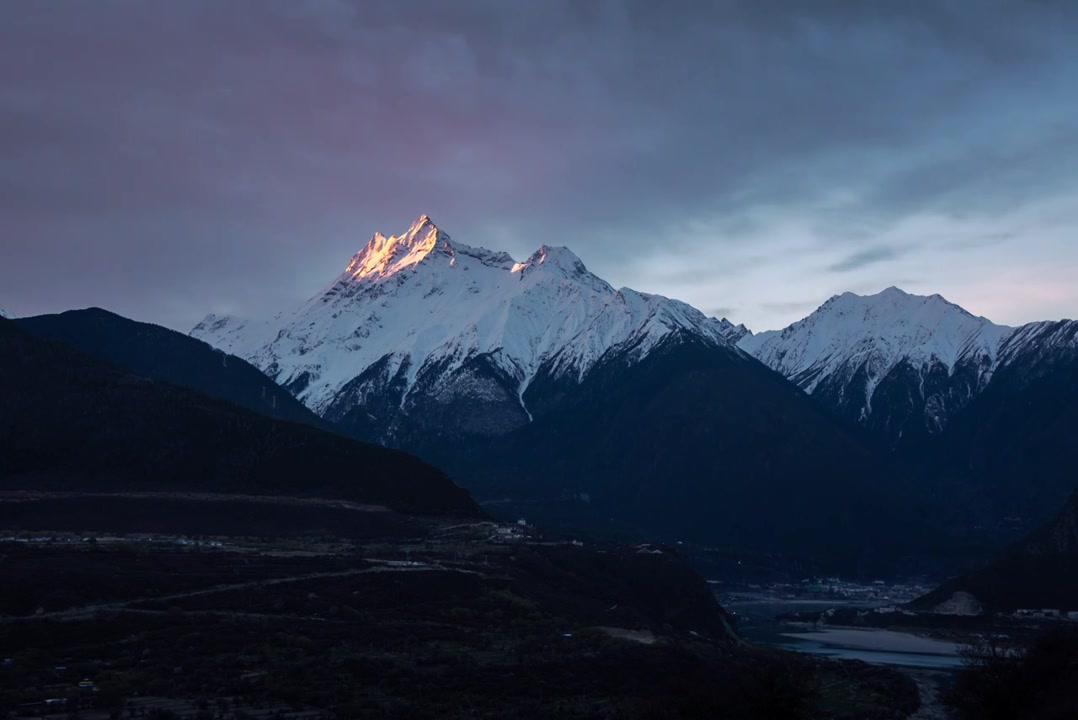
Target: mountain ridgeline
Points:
(1009, 453)
(899, 365)
(547, 391)
(905, 366)
(307, 568)
(876, 433)
(748, 465)
(422, 333)
(982, 416)
(161, 354)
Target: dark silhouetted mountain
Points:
(1037, 573)
(603, 395)
(72, 422)
(1010, 452)
(698, 443)
(161, 354)
(980, 416)
(612, 403)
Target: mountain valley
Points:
(582, 360)
(888, 435)
(528, 381)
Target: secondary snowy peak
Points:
(561, 258)
(418, 309)
(903, 365)
(6, 315)
(883, 330)
(899, 364)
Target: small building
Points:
(1042, 613)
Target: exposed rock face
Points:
(423, 334)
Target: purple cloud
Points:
(165, 159)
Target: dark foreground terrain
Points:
(469, 620)
(72, 422)
(166, 554)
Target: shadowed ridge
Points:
(72, 422)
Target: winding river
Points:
(757, 623)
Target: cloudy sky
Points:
(167, 158)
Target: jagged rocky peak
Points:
(733, 333)
(557, 256)
(420, 318)
(384, 256)
(424, 242)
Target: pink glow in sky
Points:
(167, 159)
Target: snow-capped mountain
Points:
(1039, 344)
(880, 330)
(902, 364)
(421, 332)
(421, 325)
(6, 315)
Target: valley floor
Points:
(927, 648)
(465, 620)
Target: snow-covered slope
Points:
(904, 364)
(6, 315)
(419, 318)
(424, 329)
(893, 361)
(1040, 343)
(881, 330)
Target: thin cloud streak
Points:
(864, 258)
